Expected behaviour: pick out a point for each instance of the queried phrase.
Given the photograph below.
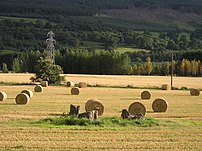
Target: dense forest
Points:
(86, 40)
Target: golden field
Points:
(180, 126)
(114, 80)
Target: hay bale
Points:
(82, 84)
(3, 96)
(194, 92)
(70, 84)
(165, 87)
(159, 105)
(136, 108)
(94, 105)
(145, 95)
(44, 83)
(28, 92)
(22, 98)
(75, 91)
(38, 88)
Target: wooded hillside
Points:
(152, 27)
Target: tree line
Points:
(103, 62)
(22, 35)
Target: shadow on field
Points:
(8, 104)
(55, 114)
(130, 99)
(63, 94)
(182, 116)
(10, 98)
(150, 112)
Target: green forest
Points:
(87, 38)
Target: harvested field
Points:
(180, 127)
(113, 80)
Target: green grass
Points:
(106, 122)
(128, 49)
(115, 122)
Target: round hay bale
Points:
(194, 92)
(22, 98)
(94, 105)
(165, 87)
(136, 108)
(75, 91)
(44, 83)
(82, 84)
(38, 88)
(70, 84)
(88, 103)
(146, 95)
(159, 105)
(3, 96)
(28, 92)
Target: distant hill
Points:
(153, 15)
(181, 14)
(101, 24)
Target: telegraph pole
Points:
(171, 80)
(50, 46)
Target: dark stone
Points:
(138, 116)
(74, 110)
(125, 114)
(92, 115)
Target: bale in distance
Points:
(3, 96)
(159, 105)
(165, 87)
(38, 88)
(146, 95)
(94, 105)
(22, 98)
(194, 92)
(137, 108)
(28, 92)
(75, 91)
(44, 83)
(70, 84)
(82, 84)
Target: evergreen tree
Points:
(135, 68)
(148, 66)
(16, 67)
(200, 69)
(187, 67)
(4, 68)
(182, 67)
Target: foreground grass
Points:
(103, 123)
(106, 122)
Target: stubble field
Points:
(180, 127)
